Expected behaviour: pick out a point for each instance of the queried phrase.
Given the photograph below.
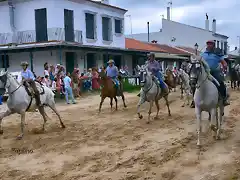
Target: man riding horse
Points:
(112, 72)
(29, 81)
(153, 66)
(213, 60)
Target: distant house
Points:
(178, 34)
(167, 55)
(80, 34)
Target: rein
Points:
(15, 89)
(148, 88)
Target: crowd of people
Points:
(70, 84)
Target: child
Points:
(54, 85)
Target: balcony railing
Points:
(54, 34)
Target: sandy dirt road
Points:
(119, 146)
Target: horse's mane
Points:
(11, 76)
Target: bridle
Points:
(4, 80)
(198, 74)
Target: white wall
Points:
(25, 17)
(4, 18)
(185, 35)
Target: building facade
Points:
(26, 24)
(178, 34)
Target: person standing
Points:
(68, 89)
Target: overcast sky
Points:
(192, 12)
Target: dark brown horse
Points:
(171, 80)
(110, 90)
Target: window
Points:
(218, 44)
(225, 48)
(41, 25)
(2, 65)
(118, 26)
(106, 29)
(90, 26)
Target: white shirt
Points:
(46, 72)
(54, 85)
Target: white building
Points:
(178, 34)
(75, 33)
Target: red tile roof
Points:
(143, 46)
(188, 49)
(171, 50)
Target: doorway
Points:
(91, 61)
(70, 59)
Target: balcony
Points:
(54, 34)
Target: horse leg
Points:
(141, 101)
(220, 120)
(54, 109)
(213, 122)
(19, 137)
(100, 105)
(111, 103)
(157, 105)
(42, 112)
(150, 111)
(123, 99)
(115, 98)
(199, 126)
(3, 115)
(167, 103)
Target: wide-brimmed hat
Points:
(111, 61)
(210, 42)
(24, 63)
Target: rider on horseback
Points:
(154, 67)
(112, 72)
(28, 79)
(213, 60)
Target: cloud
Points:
(190, 12)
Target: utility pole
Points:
(238, 45)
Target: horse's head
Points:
(144, 74)
(4, 83)
(195, 72)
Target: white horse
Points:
(19, 101)
(206, 97)
(185, 86)
(150, 92)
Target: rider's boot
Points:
(192, 104)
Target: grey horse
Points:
(206, 96)
(150, 92)
(185, 86)
(20, 102)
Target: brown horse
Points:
(171, 80)
(109, 90)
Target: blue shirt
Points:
(67, 82)
(212, 59)
(112, 71)
(27, 74)
(153, 66)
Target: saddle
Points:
(29, 89)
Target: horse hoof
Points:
(156, 118)
(1, 131)
(147, 122)
(169, 115)
(63, 126)
(19, 137)
(125, 106)
(182, 105)
(213, 128)
(140, 116)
